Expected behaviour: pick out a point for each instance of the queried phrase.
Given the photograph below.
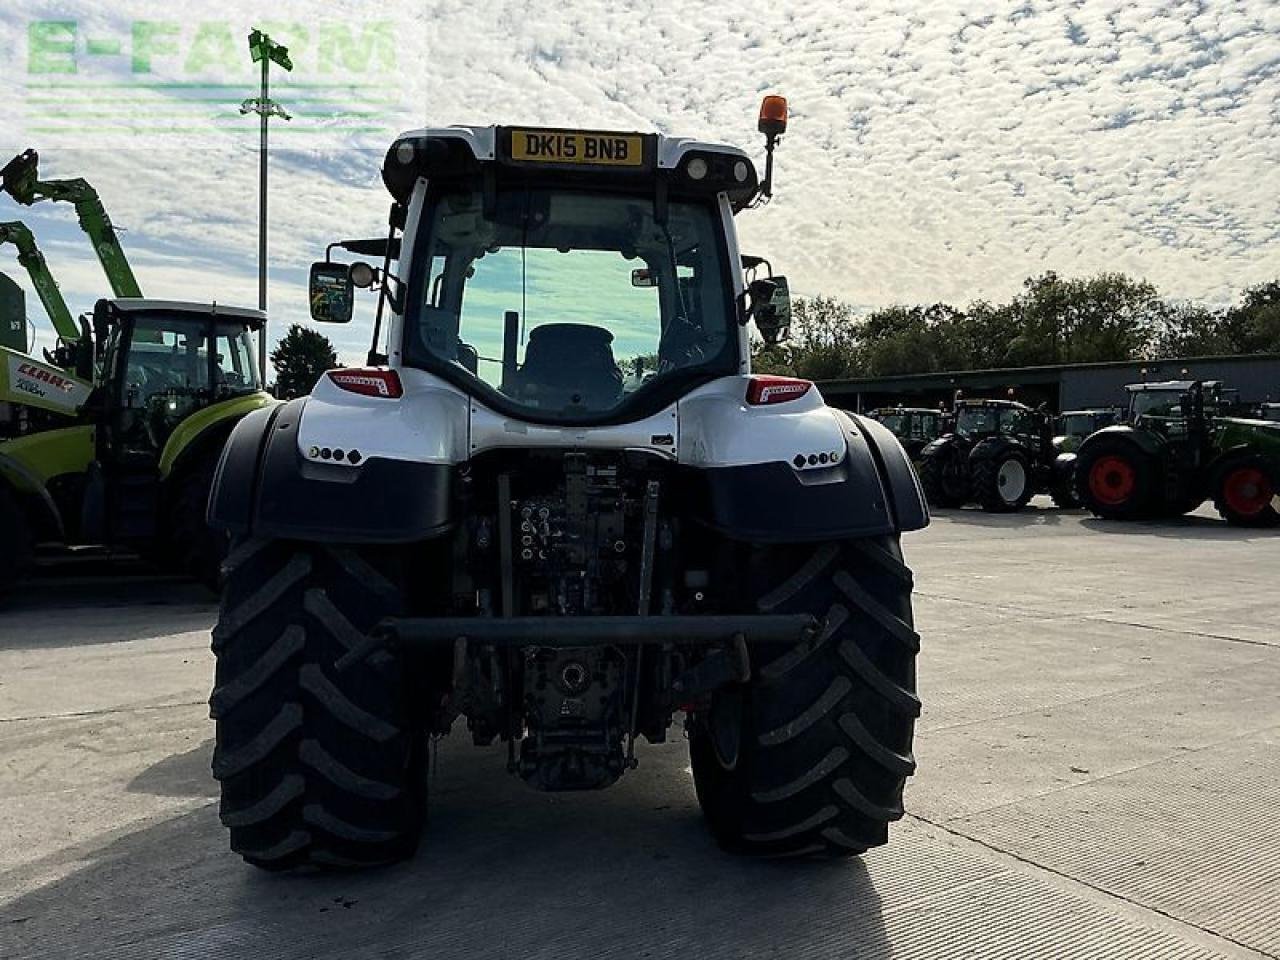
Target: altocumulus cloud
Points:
(936, 152)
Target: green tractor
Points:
(144, 418)
(1072, 426)
(915, 427)
(999, 455)
(111, 439)
(1178, 449)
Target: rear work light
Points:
(369, 382)
(762, 391)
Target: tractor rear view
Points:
(563, 512)
(1000, 455)
(1175, 451)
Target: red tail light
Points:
(762, 391)
(369, 382)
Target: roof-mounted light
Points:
(773, 124)
(773, 116)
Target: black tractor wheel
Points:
(1246, 493)
(16, 548)
(197, 548)
(812, 753)
(1116, 480)
(318, 764)
(1002, 484)
(1064, 494)
(943, 478)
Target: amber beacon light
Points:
(773, 116)
(773, 124)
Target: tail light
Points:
(369, 382)
(762, 391)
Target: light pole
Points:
(264, 51)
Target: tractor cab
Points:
(1175, 408)
(170, 372)
(163, 361)
(566, 276)
(976, 419)
(913, 426)
(1072, 426)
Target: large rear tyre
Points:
(943, 481)
(317, 765)
(1116, 480)
(1246, 493)
(811, 755)
(1002, 484)
(16, 548)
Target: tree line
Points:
(1052, 320)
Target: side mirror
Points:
(332, 292)
(770, 307)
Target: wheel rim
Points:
(1247, 491)
(1112, 480)
(1012, 480)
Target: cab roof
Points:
(1003, 404)
(218, 310)
(1181, 386)
(460, 150)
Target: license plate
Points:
(589, 149)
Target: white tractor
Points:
(558, 504)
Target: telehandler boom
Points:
(20, 178)
(32, 260)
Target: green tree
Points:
(1091, 319)
(1053, 319)
(300, 359)
(920, 339)
(1253, 326)
(1190, 330)
(823, 343)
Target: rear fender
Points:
(1146, 441)
(990, 448)
(264, 487)
(1235, 453)
(871, 491)
(213, 424)
(944, 446)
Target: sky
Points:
(936, 152)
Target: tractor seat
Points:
(569, 365)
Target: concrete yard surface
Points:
(1099, 776)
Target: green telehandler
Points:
(120, 426)
(20, 178)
